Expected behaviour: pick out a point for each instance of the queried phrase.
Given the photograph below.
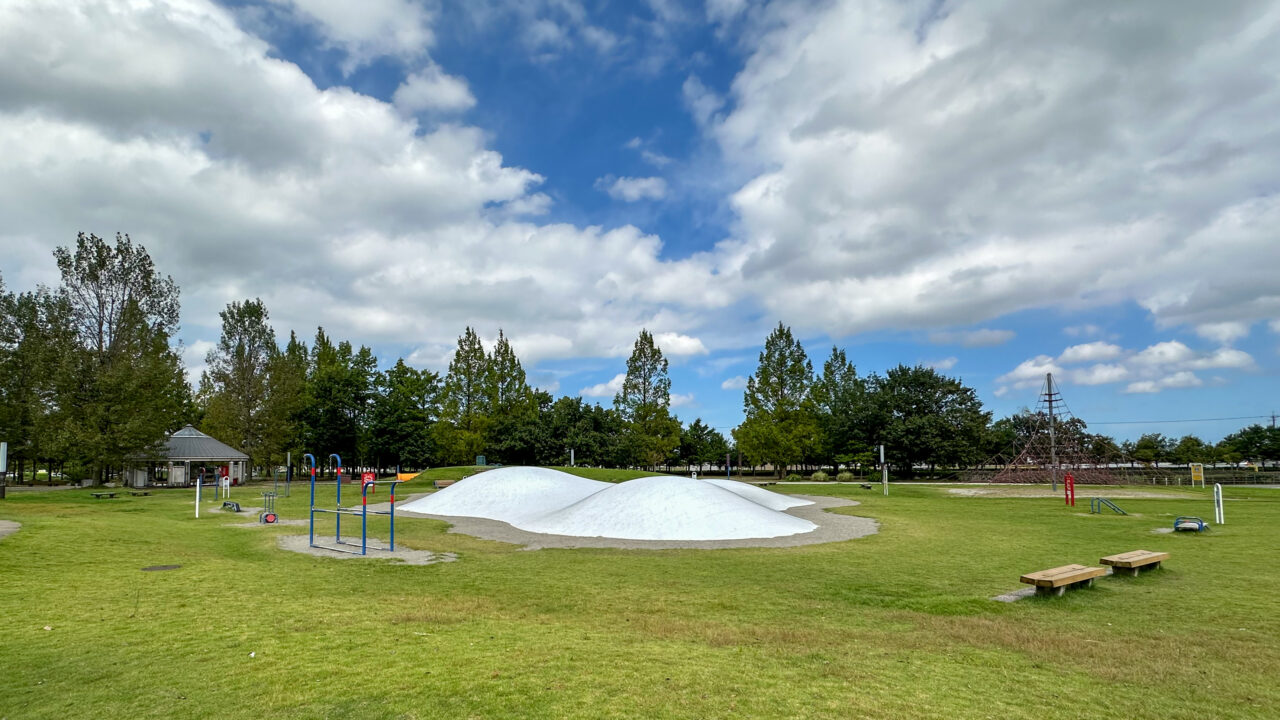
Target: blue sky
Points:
(994, 189)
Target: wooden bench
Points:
(764, 483)
(137, 493)
(100, 495)
(1055, 581)
(441, 484)
(1135, 561)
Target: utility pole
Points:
(1050, 396)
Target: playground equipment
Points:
(1187, 523)
(363, 511)
(231, 506)
(1069, 490)
(1096, 505)
(1217, 504)
(268, 515)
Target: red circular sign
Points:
(368, 477)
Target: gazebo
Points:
(186, 456)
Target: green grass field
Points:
(895, 625)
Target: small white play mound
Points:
(509, 494)
(649, 508)
(758, 495)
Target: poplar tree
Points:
(644, 402)
(238, 378)
(780, 426)
(466, 403)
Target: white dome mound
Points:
(758, 495)
(510, 494)
(667, 508)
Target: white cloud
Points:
(737, 382)
(1030, 373)
(1222, 358)
(193, 359)
(1224, 333)
(1100, 374)
(633, 189)
(984, 337)
(1182, 379)
(238, 165)
(432, 89)
(677, 345)
(1274, 325)
(605, 389)
(368, 29)
(701, 101)
(1090, 352)
(876, 193)
(943, 364)
(678, 400)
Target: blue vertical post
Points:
(311, 539)
(337, 477)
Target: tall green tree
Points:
(340, 386)
(644, 404)
(929, 419)
(780, 427)
(288, 402)
(513, 432)
(131, 389)
(407, 403)
(238, 375)
(843, 411)
(466, 402)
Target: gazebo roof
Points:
(191, 444)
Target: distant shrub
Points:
(845, 476)
(819, 477)
(794, 478)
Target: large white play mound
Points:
(510, 494)
(649, 508)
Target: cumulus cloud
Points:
(1181, 379)
(972, 338)
(244, 179)
(432, 89)
(679, 345)
(678, 400)
(944, 364)
(1158, 367)
(990, 159)
(633, 189)
(1223, 333)
(605, 389)
(1086, 330)
(1090, 352)
(365, 30)
(737, 382)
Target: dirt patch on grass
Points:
(8, 527)
(1034, 491)
(832, 527)
(377, 551)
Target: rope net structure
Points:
(1048, 443)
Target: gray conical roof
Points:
(191, 444)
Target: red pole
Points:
(1069, 490)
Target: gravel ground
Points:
(831, 528)
(377, 551)
(8, 527)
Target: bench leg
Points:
(1051, 591)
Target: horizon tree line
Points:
(89, 380)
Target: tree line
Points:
(90, 381)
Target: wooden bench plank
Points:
(1060, 576)
(441, 484)
(1134, 558)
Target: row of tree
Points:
(89, 378)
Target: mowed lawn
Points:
(895, 625)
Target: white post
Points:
(198, 484)
(571, 458)
(884, 472)
(1217, 504)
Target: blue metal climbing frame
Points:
(363, 511)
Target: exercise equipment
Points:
(1096, 505)
(268, 515)
(363, 511)
(231, 506)
(1188, 523)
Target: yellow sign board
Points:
(1197, 473)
